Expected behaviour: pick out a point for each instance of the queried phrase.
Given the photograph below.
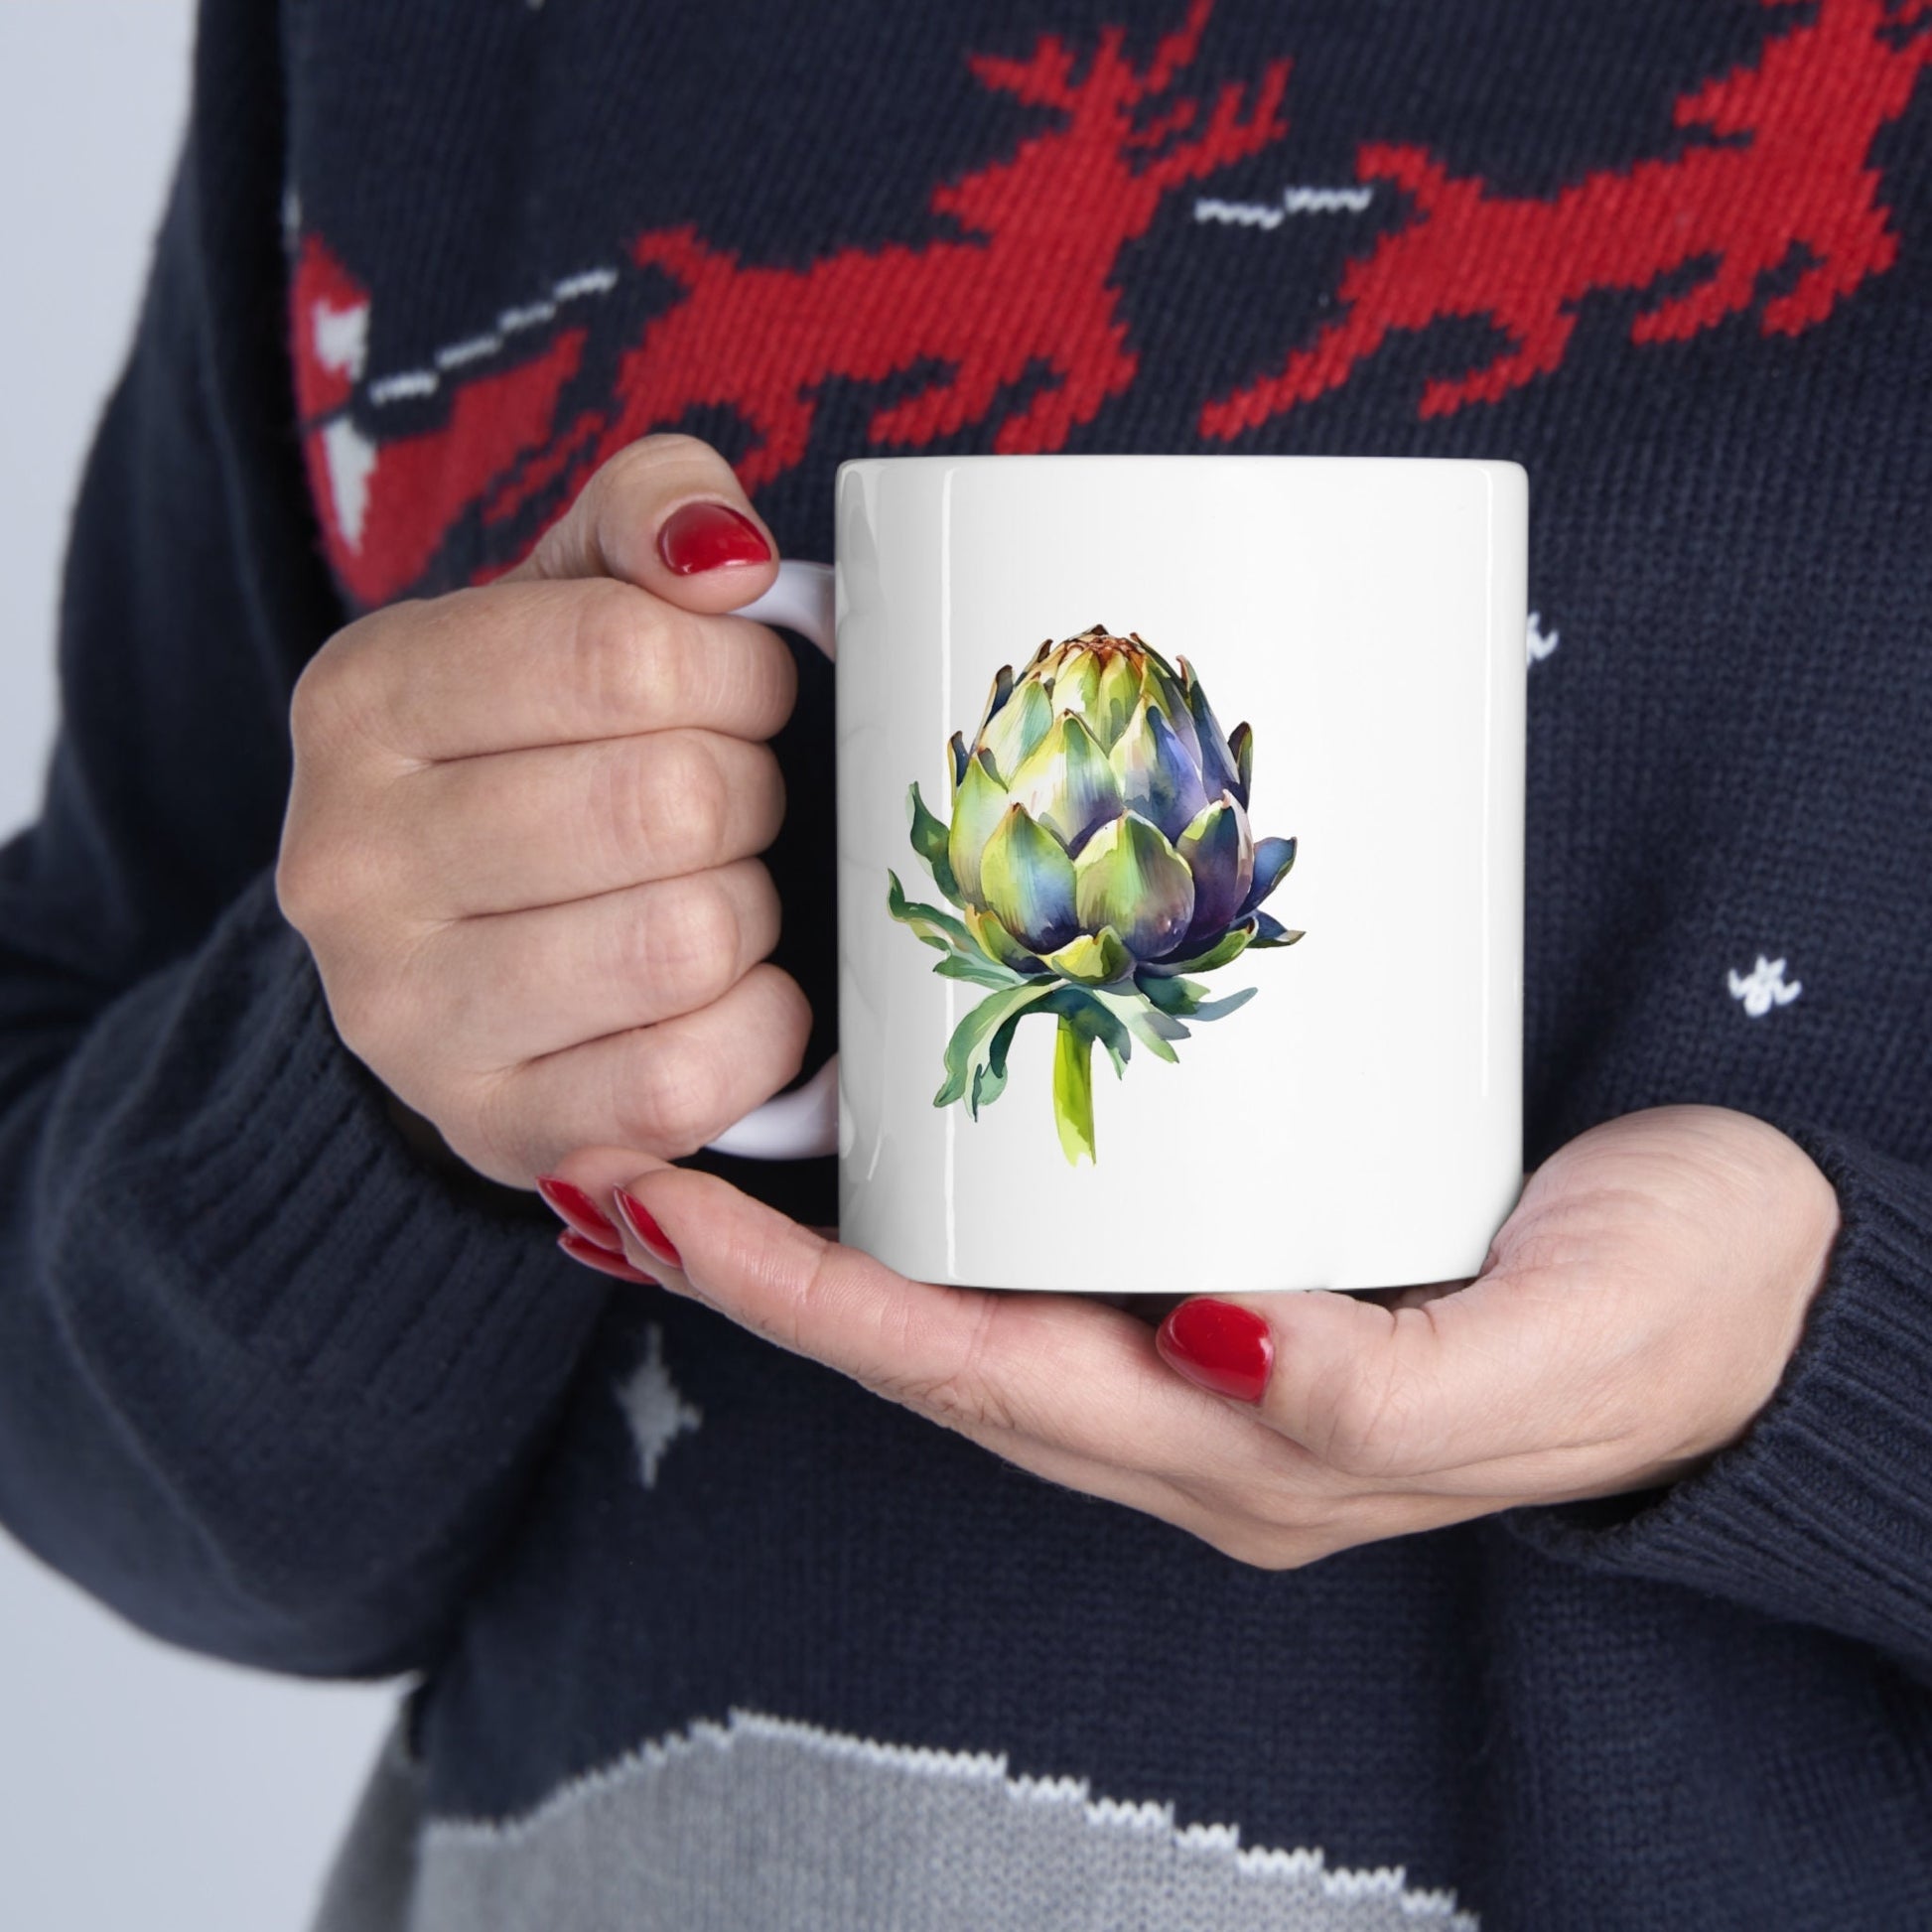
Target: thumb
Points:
(1379, 1390)
(668, 516)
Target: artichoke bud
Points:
(1100, 822)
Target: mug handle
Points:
(796, 1124)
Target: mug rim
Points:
(1143, 458)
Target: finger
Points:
(541, 663)
(968, 1360)
(665, 1090)
(1396, 1393)
(591, 1254)
(564, 822)
(1063, 1372)
(535, 983)
(668, 516)
(584, 1192)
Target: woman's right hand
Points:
(522, 832)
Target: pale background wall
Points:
(139, 1787)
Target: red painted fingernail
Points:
(1219, 1347)
(707, 536)
(641, 1223)
(572, 1205)
(602, 1260)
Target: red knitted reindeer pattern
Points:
(1784, 169)
(1023, 288)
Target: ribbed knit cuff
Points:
(258, 1175)
(1821, 1514)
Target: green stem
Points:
(1073, 1089)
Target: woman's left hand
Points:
(1634, 1313)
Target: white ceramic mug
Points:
(1219, 1062)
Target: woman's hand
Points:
(520, 838)
(1634, 1315)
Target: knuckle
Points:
(335, 866)
(314, 879)
(685, 804)
(323, 697)
(653, 452)
(796, 1319)
(312, 700)
(760, 913)
(610, 662)
(790, 1029)
(1367, 1426)
(343, 691)
(299, 882)
(491, 1130)
(765, 784)
(688, 950)
(759, 679)
(675, 1096)
(645, 472)
(958, 1394)
(371, 1019)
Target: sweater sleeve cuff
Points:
(1822, 1513)
(282, 1206)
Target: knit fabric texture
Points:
(704, 1635)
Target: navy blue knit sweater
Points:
(708, 1637)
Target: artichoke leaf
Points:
(990, 1080)
(1272, 856)
(978, 972)
(1188, 999)
(970, 1048)
(935, 927)
(1108, 1029)
(1230, 945)
(1241, 741)
(1011, 734)
(1027, 883)
(1182, 997)
(1270, 932)
(1076, 684)
(1154, 1030)
(1158, 774)
(1092, 958)
(1066, 783)
(995, 699)
(1130, 877)
(1221, 1008)
(977, 809)
(929, 836)
(1153, 657)
(1218, 762)
(1114, 699)
(997, 943)
(1219, 850)
(1168, 693)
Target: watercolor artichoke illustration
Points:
(1098, 855)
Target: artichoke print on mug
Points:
(1098, 855)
